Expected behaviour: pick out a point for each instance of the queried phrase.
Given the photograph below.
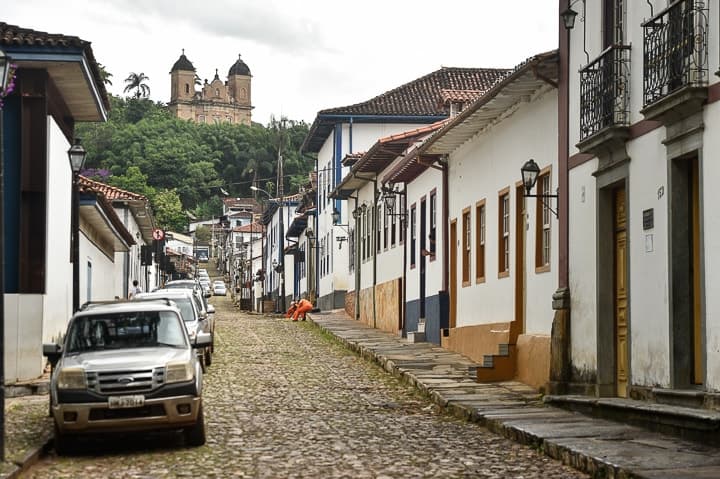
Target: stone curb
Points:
(594, 466)
(30, 458)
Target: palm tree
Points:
(136, 81)
(104, 74)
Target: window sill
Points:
(503, 274)
(542, 269)
(480, 280)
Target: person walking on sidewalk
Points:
(134, 289)
(303, 307)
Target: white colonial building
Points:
(644, 118)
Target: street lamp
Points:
(529, 173)
(76, 155)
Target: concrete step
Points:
(416, 337)
(701, 425)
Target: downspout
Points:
(316, 276)
(376, 194)
(358, 266)
(126, 259)
(403, 225)
(445, 233)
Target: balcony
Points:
(605, 102)
(675, 59)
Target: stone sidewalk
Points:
(598, 447)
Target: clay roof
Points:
(418, 101)
(530, 76)
(15, 36)
(249, 228)
(449, 95)
(111, 192)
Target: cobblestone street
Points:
(284, 400)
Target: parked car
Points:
(190, 310)
(219, 289)
(126, 366)
(198, 290)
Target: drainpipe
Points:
(126, 259)
(376, 195)
(446, 240)
(358, 269)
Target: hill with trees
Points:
(183, 166)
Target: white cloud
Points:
(304, 56)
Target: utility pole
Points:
(281, 242)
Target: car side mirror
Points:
(53, 352)
(210, 309)
(202, 340)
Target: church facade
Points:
(216, 101)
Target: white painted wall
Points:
(364, 135)
(710, 171)
(102, 278)
(419, 187)
(582, 276)
(648, 277)
(58, 292)
(481, 168)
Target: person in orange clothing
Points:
(291, 309)
(303, 307)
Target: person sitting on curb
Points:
(291, 309)
(302, 308)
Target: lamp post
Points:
(4, 71)
(76, 155)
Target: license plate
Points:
(120, 402)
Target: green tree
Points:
(136, 81)
(104, 74)
(134, 181)
(169, 211)
(203, 234)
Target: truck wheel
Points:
(61, 442)
(195, 434)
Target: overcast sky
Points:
(304, 55)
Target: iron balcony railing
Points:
(605, 91)
(675, 51)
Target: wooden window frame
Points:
(504, 233)
(413, 237)
(466, 245)
(480, 240)
(543, 223)
(432, 224)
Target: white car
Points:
(219, 289)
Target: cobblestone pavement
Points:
(283, 399)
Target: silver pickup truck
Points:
(126, 366)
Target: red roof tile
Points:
(420, 98)
(110, 192)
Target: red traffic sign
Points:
(158, 234)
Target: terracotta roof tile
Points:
(448, 95)
(17, 36)
(420, 98)
(110, 192)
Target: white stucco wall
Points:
(358, 138)
(421, 187)
(102, 277)
(647, 270)
(58, 291)
(582, 276)
(479, 170)
(710, 171)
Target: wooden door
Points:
(621, 299)
(453, 273)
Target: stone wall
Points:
(383, 311)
